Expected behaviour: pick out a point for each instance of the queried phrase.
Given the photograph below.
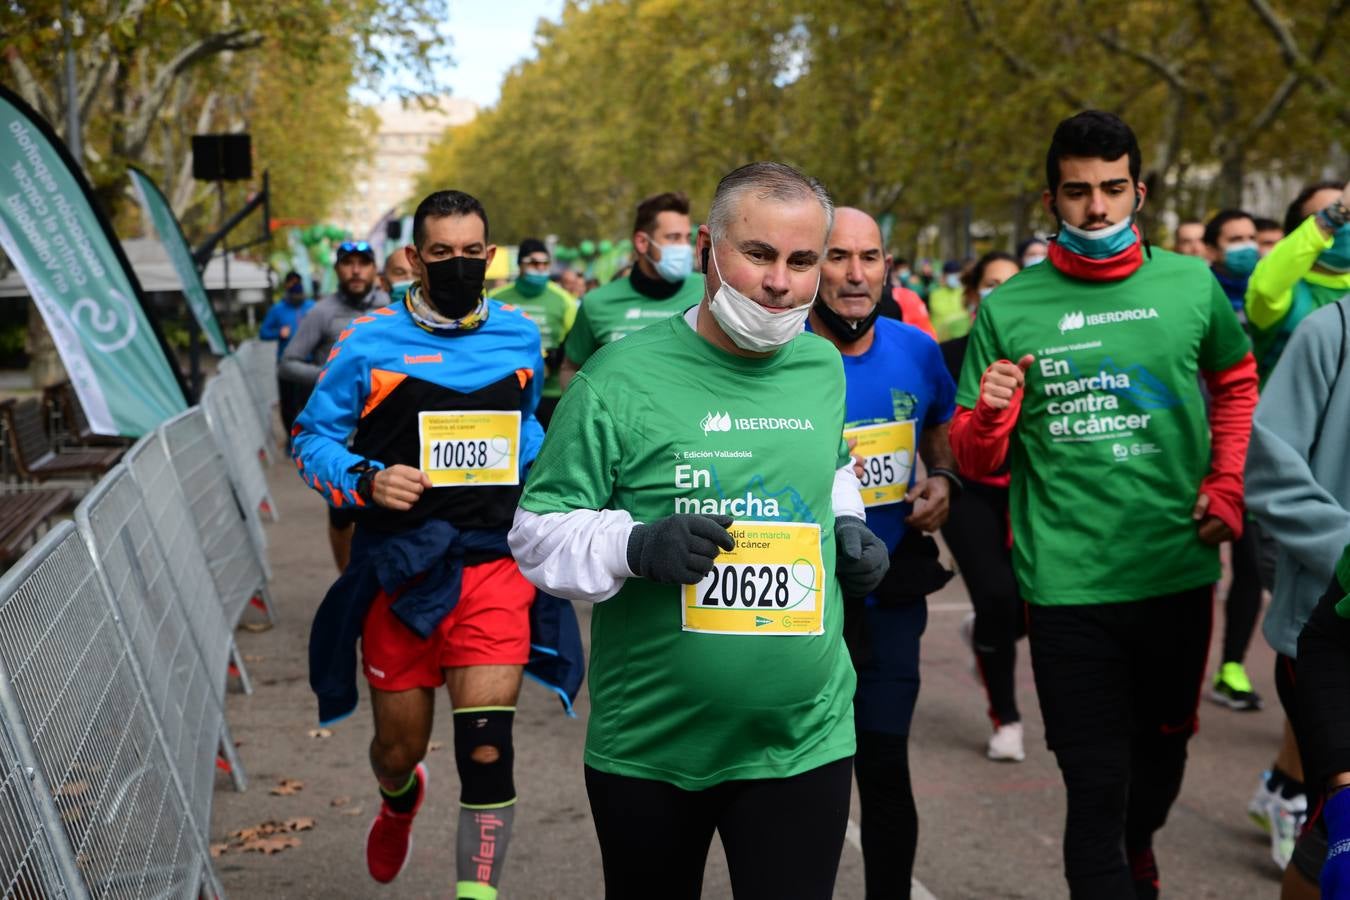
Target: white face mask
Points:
(751, 326)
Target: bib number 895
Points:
(878, 470)
(747, 586)
(459, 454)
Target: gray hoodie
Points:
(318, 332)
(1298, 482)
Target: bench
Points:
(32, 450)
(22, 515)
(61, 396)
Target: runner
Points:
(437, 396)
(1307, 270)
(977, 534)
(548, 306)
(280, 325)
(1298, 486)
(707, 504)
(662, 283)
(899, 398)
(1112, 470)
(1189, 239)
(397, 275)
(312, 344)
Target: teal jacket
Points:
(1298, 484)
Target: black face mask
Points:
(845, 330)
(455, 285)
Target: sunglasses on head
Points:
(347, 248)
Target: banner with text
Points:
(81, 281)
(156, 209)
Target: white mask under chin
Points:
(751, 326)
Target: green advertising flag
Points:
(81, 281)
(156, 209)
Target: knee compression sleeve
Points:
(484, 756)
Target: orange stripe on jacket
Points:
(382, 384)
(524, 376)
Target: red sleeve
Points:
(979, 436)
(1233, 399)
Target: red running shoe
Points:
(389, 841)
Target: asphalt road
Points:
(987, 830)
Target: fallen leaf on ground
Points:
(299, 823)
(270, 845)
(253, 659)
(74, 788)
(218, 850)
(339, 801)
(251, 833)
(353, 810)
(287, 786)
(256, 627)
(436, 745)
(320, 733)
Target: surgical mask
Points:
(1098, 244)
(676, 262)
(1337, 256)
(751, 326)
(398, 291)
(1240, 259)
(455, 285)
(985, 292)
(1032, 260)
(953, 280)
(532, 283)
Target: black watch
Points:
(365, 484)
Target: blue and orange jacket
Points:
(382, 373)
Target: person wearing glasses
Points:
(549, 306)
(357, 293)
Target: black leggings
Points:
(977, 533)
(782, 836)
(1118, 685)
(890, 821)
(1243, 606)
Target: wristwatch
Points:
(365, 482)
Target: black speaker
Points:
(222, 157)
(393, 229)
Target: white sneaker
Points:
(1286, 822)
(1258, 808)
(1006, 744)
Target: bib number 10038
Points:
(463, 454)
(746, 586)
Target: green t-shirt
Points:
(700, 430)
(616, 310)
(553, 310)
(1112, 441)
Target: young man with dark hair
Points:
(1115, 467)
(423, 419)
(550, 307)
(1230, 247)
(1268, 234)
(1189, 239)
(661, 284)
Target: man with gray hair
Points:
(710, 511)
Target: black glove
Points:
(860, 561)
(678, 549)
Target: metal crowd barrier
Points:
(234, 425)
(259, 363)
(108, 800)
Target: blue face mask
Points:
(953, 280)
(1241, 259)
(533, 282)
(1098, 244)
(676, 262)
(399, 290)
(1337, 256)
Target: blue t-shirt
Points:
(283, 315)
(901, 377)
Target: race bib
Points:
(470, 448)
(887, 452)
(771, 584)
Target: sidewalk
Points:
(986, 830)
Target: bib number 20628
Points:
(764, 587)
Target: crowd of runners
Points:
(740, 453)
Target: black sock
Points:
(1144, 873)
(1285, 784)
(404, 801)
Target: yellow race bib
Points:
(470, 448)
(887, 452)
(773, 583)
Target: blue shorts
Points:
(888, 683)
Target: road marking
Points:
(916, 890)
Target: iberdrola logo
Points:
(715, 422)
(1072, 321)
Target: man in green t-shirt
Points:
(661, 284)
(712, 506)
(1121, 490)
(548, 306)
